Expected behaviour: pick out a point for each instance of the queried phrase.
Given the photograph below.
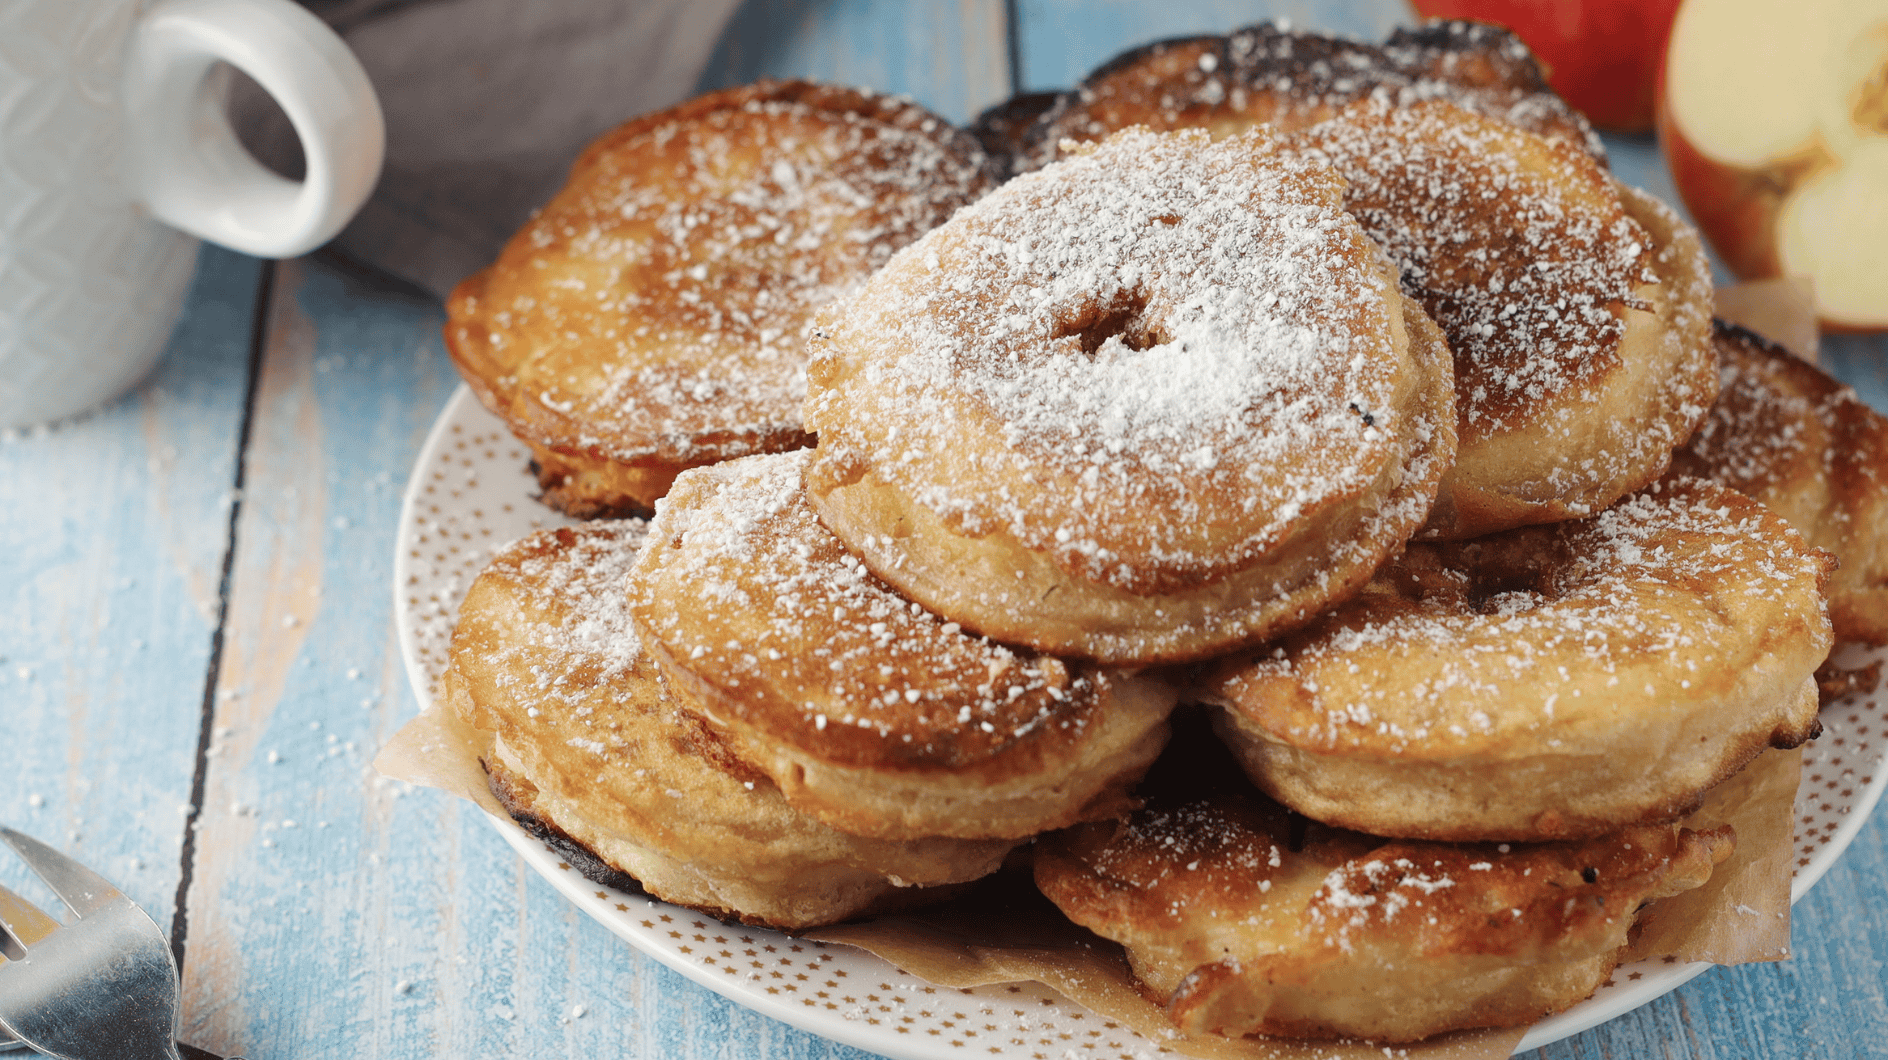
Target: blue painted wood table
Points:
(197, 658)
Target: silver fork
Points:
(28, 925)
(103, 987)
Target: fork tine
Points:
(83, 891)
(27, 924)
(23, 920)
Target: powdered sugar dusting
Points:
(1370, 891)
(746, 589)
(1274, 75)
(1797, 440)
(577, 635)
(1208, 843)
(659, 305)
(1227, 874)
(1522, 253)
(1160, 324)
(1131, 249)
(1506, 633)
(1758, 428)
(1777, 417)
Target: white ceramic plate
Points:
(471, 495)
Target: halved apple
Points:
(1602, 56)
(1774, 118)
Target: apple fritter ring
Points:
(1787, 434)
(1155, 401)
(1288, 79)
(652, 316)
(1578, 311)
(1244, 919)
(587, 749)
(868, 711)
(1551, 682)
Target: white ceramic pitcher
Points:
(116, 158)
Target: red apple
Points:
(1602, 56)
(1774, 118)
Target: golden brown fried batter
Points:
(1244, 918)
(1578, 311)
(1152, 402)
(1787, 434)
(653, 315)
(1551, 682)
(588, 748)
(868, 711)
(1289, 79)
(1004, 129)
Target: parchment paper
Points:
(1781, 310)
(437, 750)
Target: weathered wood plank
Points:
(951, 57)
(114, 528)
(296, 905)
(405, 928)
(1860, 361)
(1062, 40)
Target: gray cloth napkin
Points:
(487, 103)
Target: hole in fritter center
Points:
(1125, 317)
(1508, 584)
(1298, 829)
